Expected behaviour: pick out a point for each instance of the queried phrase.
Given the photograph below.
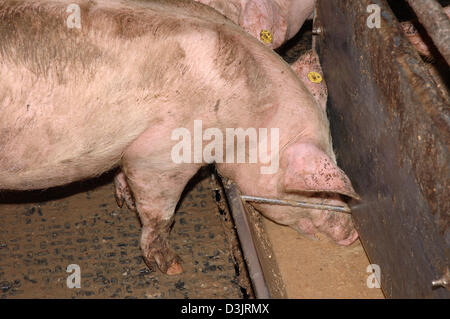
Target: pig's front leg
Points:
(156, 184)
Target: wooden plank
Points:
(391, 130)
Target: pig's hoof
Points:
(174, 268)
(169, 266)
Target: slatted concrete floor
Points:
(39, 239)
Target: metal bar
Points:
(295, 203)
(435, 21)
(248, 247)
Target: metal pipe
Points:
(435, 21)
(295, 203)
(246, 240)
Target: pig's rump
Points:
(73, 100)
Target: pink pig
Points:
(416, 38)
(77, 102)
(272, 21)
(282, 19)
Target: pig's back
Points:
(72, 100)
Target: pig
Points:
(78, 102)
(309, 70)
(435, 64)
(273, 22)
(417, 39)
(282, 19)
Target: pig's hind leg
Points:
(122, 192)
(156, 184)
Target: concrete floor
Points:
(39, 238)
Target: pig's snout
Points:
(338, 226)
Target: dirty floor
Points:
(39, 239)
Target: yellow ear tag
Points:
(314, 77)
(266, 36)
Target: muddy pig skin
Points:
(309, 70)
(282, 19)
(77, 102)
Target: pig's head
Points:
(309, 70)
(308, 174)
(264, 20)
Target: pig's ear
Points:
(309, 169)
(264, 20)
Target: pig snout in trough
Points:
(132, 84)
